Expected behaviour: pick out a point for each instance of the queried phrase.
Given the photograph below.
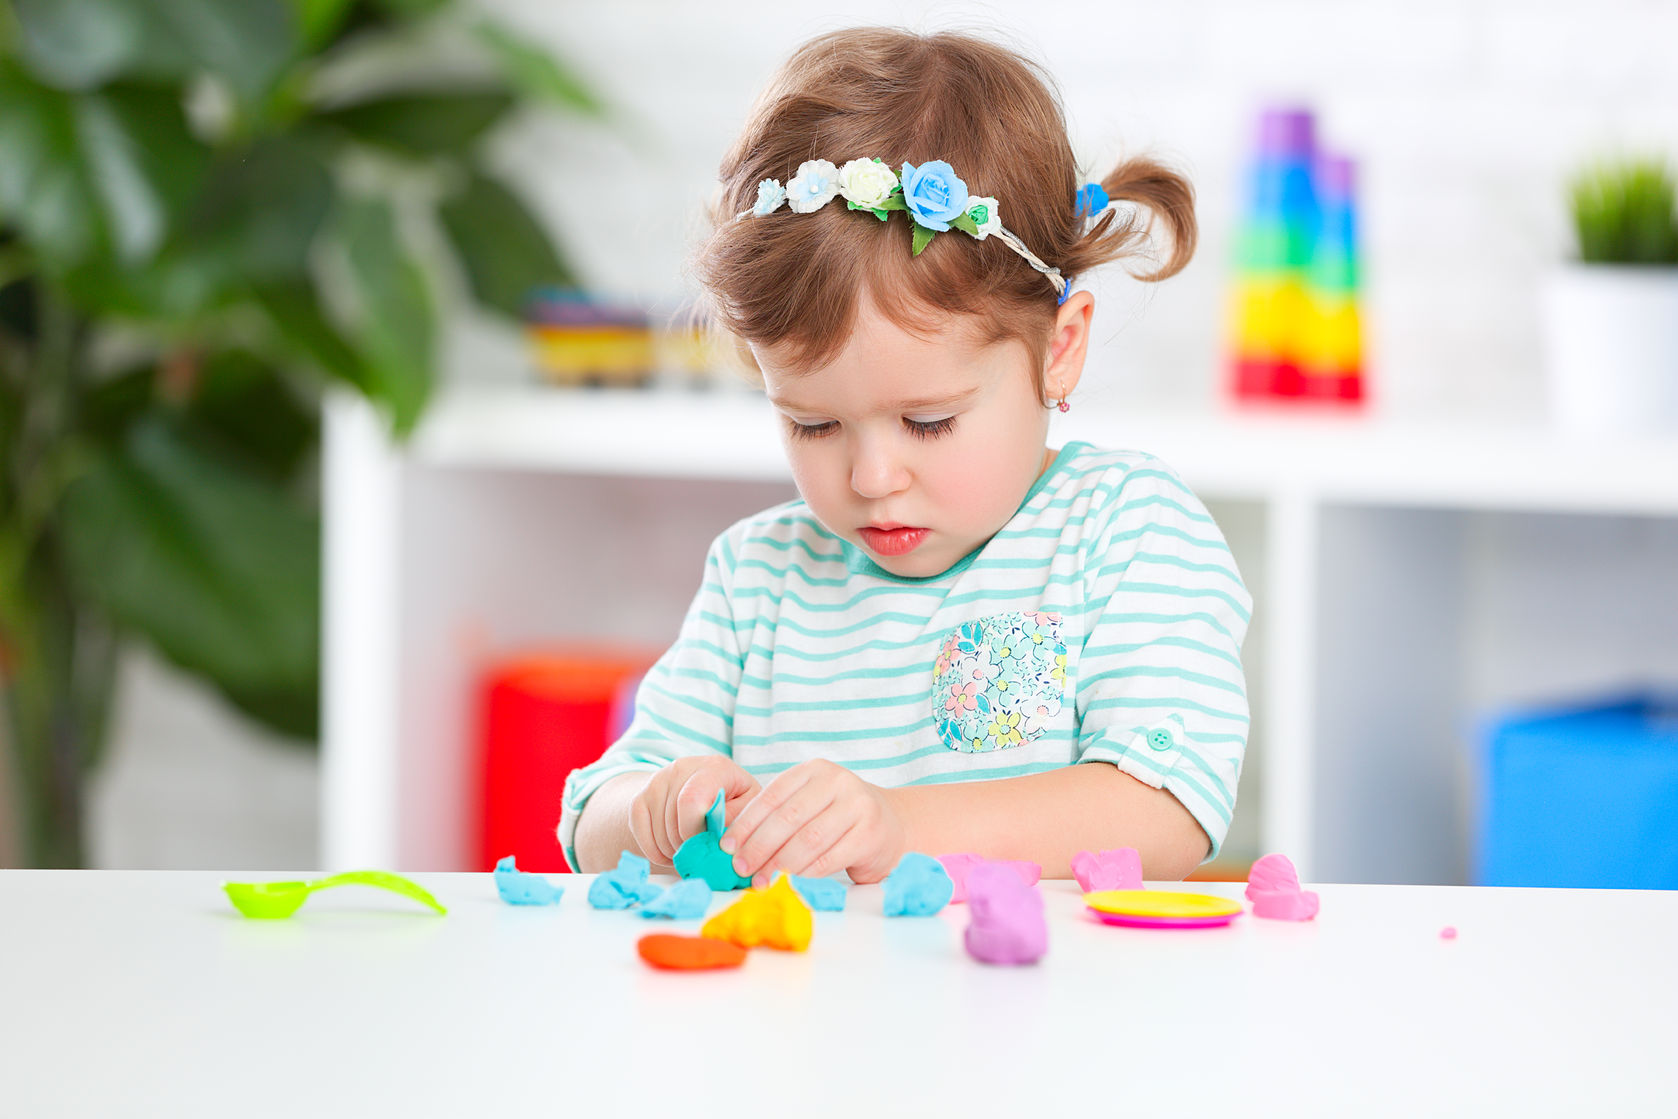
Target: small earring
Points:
(1063, 405)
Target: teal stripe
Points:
(721, 683)
(1093, 651)
(1155, 672)
(1182, 592)
(682, 733)
(1170, 561)
(690, 702)
(789, 545)
(728, 554)
(1126, 617)
(852, 736)
(860, 764)
(1157, 499)
(859, 704)
(1165, 702)
(790, 569)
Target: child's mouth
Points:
(893, 541)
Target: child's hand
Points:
(817, 819)
(672, 807)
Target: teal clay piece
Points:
(625, 886)
(519, 888)
(919, 887)
(702, 855)
(820, 893)
(685, 900)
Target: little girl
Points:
(960, 639)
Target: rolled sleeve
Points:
(685, 704)
(1161, 691)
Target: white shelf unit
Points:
(1408, 577)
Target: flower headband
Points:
(935, 199)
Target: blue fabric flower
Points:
(933, 194)
(1090, 200)
(770, 195)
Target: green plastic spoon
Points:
(270, 900)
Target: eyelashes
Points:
(920, 429)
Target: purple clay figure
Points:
(1007, 924)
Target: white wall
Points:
(1465, 117)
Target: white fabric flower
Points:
(984, 214)
(813, 187)
(770, 195)
(867, 182)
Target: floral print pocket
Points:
(999, 681)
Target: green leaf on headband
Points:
(922, 236)
(965, 223)
(895, 201)
(881, 214)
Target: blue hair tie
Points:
(1090, 200)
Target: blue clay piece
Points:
(820, 893)
(701, 856)
(625, 886)
(686, 899)
(518, 888)
(919, 887)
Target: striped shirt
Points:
(1102, 623)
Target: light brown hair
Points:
(796, 279)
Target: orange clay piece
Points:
(688, 953)
(776, 917)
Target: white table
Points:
(143, 993)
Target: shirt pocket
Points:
(999, 681)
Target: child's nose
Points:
(876, 471)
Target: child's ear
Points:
(1068, 344)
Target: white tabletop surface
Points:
(144, 993)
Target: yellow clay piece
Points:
(776, 917)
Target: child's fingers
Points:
(768, 799)
(829, 836)
(793, 813)
(689, 806)
(641, 828)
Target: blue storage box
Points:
(1581, 796)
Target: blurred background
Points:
(359, 455)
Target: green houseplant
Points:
(1610, 319)
(210, 212)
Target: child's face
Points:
(916, 450)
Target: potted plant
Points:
(208, 214)
(1611, 318)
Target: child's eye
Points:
(930, 429)
(809, 431)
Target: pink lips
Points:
(894, 540)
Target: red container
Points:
(543, 716)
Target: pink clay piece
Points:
(1284, 905)
(1273, 888)
(1449, 932)
(1272, 874)
(1006, 925)
(958, 867)
(1117, 869)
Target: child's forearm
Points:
(603, 829)
(1049, 817)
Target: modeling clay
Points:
(1007, 925)
(701, 857)
(958, 867)
(1449, 932)
(919, 887)
(1273, 888)
(625, 886)
(686, 899)
(518, 888)
(1117, 869)
(688, 953)
(776, 917)
(820, 893)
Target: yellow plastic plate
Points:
(1161, 908)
